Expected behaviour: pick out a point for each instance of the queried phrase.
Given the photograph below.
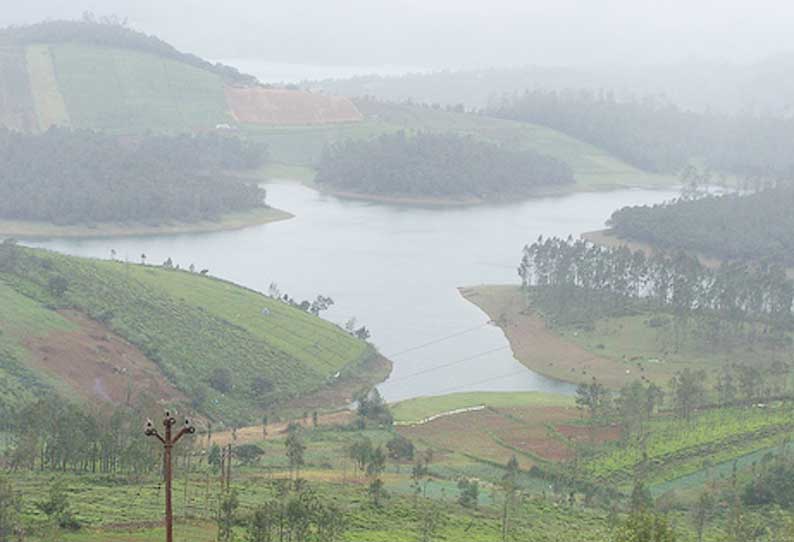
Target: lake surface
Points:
(281, 72)
(395, 268)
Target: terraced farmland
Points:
(17, 110)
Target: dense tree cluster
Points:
(575, 280)
(113, 32)
(658, 136)
(53, 434)
(758, 226)
(68, 177)
(437, 165)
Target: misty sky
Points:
(449, 33)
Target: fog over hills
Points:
(447, 34)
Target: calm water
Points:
(396, 269)
(280, 72)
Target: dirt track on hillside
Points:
(258, 105)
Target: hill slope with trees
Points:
(231, 352)
(68, 177)
(437, 165)
(758, 226)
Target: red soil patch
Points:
(258, 105)
(584, 434)
(99, 365)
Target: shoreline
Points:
(538, 347)
(231, 221)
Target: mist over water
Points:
(396, 269)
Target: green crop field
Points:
(128, 91)
(676, 448)
(189, 325)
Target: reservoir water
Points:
(397, 269)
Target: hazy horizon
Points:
(446, 35)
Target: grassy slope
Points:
(594, 169)
(421, 408)
(128, 91)
(50, 107)
(190, 325)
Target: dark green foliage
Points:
(774, 486)
(111, 32)
(373, 410)
(69, 177)
(221, 380)
(645, 527)
(437, 165)
(469, 493)
(227, 516)
(658, 136)
(755, 227)
(302, 517)
(248, 453)
(400, 448)
(10, 505)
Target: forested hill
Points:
(111, 331)
(438, 166)
(70, 177)
(759, 226)
(658, 136)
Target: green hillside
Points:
(593, 167)
(191, 326)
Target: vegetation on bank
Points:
(756, 226)
(437, 165)
(69, 177)
(233, 352)
(658, 136)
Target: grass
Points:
(130, 92)
(25, 229)
(191, 325)
(50, 107)
(414, 410)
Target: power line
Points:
(436, 341)
(445, 365)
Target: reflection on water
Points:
(396, 269)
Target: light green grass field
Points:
(421, 408)
(130, 92)
(50, 107)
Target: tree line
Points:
(658, 136)
(113, 32)
(437, 165)
(578, 281)
(68, 177)
(757, 226)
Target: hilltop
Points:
(105, 76)
(107, 331)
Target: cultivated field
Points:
(127, 91)
(50, 107)
(257, 105)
